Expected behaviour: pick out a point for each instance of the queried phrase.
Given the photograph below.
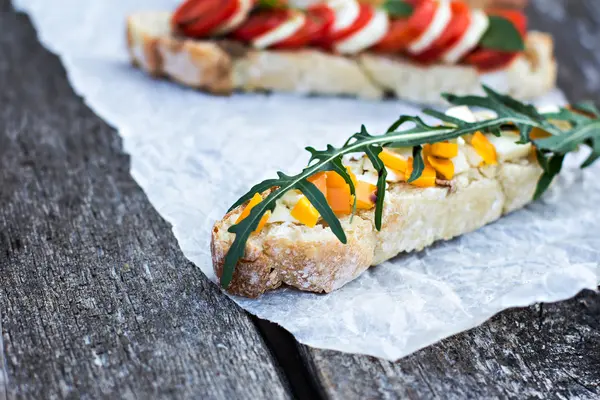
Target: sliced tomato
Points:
(323, 18)
(318, 21)
(403, 31)
(490, 60)
(457, 27)
(259, 23)
(365, 14)
(198, 18)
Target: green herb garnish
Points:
(502, 35)
(398, 8)
(410, 131)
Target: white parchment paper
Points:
(195, 154)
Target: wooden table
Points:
(97, 299)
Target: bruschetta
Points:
(361, 204)
(412, 49)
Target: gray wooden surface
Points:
(97, 300)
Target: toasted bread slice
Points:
(221, 66)
(313, 259)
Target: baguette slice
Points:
(313, 259)
(222, 66)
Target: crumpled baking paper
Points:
(195, 154)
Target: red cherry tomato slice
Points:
(365, 14)
(403, 31)
(260, 22)
(318, 21)
(457, 27)
(198, 18)
(323, 18)
(489, 60)
(301, 38)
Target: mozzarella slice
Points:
(280, 33)
(393, 176)
(485, 115)
(461, 112)
(473, 158)
(440, 21)
(370, 34)
(281, 213)
(507, 148)
(236, 19)
(477, 28)
(548, 109)
(369, 177)
(460, 162)
(346, 12)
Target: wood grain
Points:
(544, 351)
(96, 299)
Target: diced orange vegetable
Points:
(320, 181)
(393, 160)
(305, 212)
(257, 198)
(335, 180)
(444, 150)
(444, 167)
(339, 199)
(427, 178)
(537, 133)
(426, 150)
(484, 148)
(365, 195)
(262, 222)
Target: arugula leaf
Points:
(271, 4)
(418, 164)
(318, 200)
(398, 8)
(588, 108)
(502, 35)
(372, 153)
(411, 131)
(595, 145)
(552, 168)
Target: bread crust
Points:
(212, 66)
(313, 259)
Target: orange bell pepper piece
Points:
(427, 178)
(443, 166)
(537, 133)
(444, 150)
(365, 195)
(257, 198)
(484, 148)
(393, 160)
(339, 199)
(305, 212)
(320, 181)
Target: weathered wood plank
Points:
(537, 352)
(522, 353)
(96, 299)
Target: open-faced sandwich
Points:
(412, 49)
(360, 204)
